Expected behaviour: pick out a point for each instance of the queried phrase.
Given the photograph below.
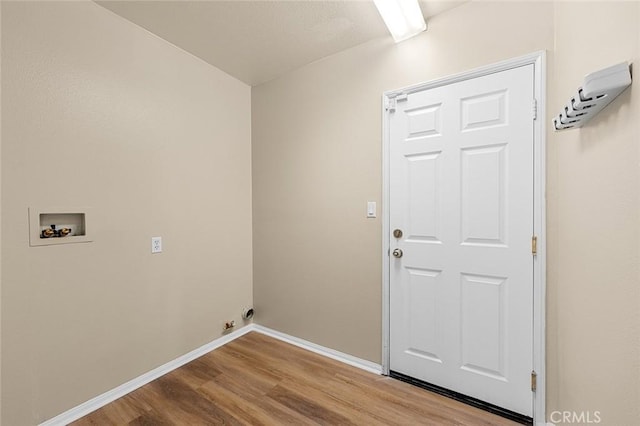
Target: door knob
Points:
(397, 253)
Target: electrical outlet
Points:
(156, 244)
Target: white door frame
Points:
(538, 60)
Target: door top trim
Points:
(520, 61)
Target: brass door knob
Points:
(397, 253)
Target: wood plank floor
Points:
(258, 380)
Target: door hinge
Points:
(534, 381)
(535, 109)
(534, 245)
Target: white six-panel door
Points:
(461, 192)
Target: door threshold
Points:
(474, 402)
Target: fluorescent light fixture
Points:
(403, 18)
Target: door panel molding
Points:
(426, 124)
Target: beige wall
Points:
(98, 112)
(593, 224)
(316, 161)
(0, 216)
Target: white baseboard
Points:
(99, 401)
(363, 364)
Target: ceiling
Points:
(257, 41)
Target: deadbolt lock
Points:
(397, 253)
(397, 233)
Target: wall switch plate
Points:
(371, 209)
(156, 244)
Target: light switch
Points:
(156, 244)
(371, 209)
